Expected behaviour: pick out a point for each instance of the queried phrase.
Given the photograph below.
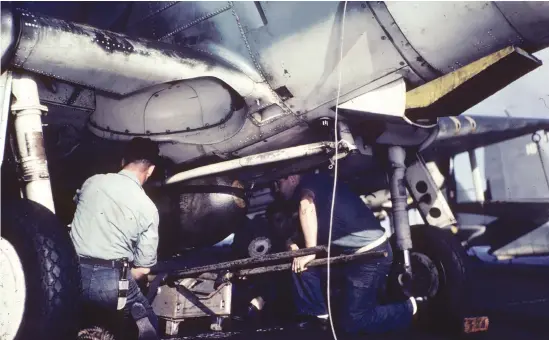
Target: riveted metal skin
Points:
(257, 49)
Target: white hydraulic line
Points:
(336, 158)
(253, 160)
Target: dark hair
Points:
(141, 150)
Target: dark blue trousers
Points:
(100, 295)
(356, 308)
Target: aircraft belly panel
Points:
(312, 31)
(152, 20)
(61, 93)
(453, 34)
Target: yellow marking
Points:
(432, 91)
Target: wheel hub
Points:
(425, 279)
(259, 246)
(12, 291)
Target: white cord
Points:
(335, 171)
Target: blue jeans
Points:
(100, 295)
(359, 283)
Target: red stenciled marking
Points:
(477, 324)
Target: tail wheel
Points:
(441, 272)
(38, 246)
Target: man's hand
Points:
(138, 273)
(293, 247)
(299, 263)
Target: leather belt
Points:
(117, 264)
(373, 244)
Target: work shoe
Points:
(146, 329)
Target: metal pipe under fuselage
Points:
(253, 160)
(346, 142)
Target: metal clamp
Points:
(23, 107)
(346, 147)
(456, 122)
(472, 122)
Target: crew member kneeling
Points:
(355, 228)
(116, 225)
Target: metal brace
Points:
(431, 202)
(346, 143)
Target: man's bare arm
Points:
(308, 220)
(309, 226)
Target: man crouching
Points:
(355, 229)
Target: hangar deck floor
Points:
(514, 297)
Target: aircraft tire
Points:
(51, 272)
(438, 259)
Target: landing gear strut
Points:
(43, 260)
(27, 111)
(397, 158)
(432, 263)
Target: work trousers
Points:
(358, 283)
(100, 295)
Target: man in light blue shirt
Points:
(116, 220)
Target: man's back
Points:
(354, 223)
(114, 219)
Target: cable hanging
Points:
(335, 171)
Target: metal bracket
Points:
(432, 204)
(345, 145)
(16, 108)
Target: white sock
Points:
(258, 302)
(414, 305)
(323, 316)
